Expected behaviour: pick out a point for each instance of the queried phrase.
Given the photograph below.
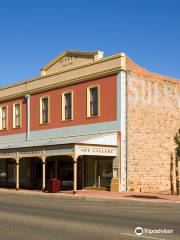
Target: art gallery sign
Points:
(96, 151)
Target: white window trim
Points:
(43, 97)
(88, 101)
(63, 106)
(1, 127)
(14, 125)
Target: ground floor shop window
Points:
(92, 172)
(7, 172)
(98, 172)
(3, 171)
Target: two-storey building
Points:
(91, 122)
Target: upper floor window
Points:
(67, 106)
(3, 118)
(93, 102)
(44, 110)
(16, 115)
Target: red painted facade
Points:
(10, 129)
(108, 106)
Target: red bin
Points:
(54, 185)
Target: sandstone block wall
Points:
(153, 112)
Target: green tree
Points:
(177, 155)
(177, 141)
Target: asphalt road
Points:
(30, 217)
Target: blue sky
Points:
(34, 32)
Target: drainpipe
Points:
(27, 97)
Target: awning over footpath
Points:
(95, 144)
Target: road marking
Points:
(127, 234)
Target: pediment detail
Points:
(69, 59)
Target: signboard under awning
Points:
(96, 151)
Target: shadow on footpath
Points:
(145, 197)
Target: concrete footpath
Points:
(101, 195)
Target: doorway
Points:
(97, 172)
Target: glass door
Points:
(91, 172)
(98, 172)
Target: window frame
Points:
(88, 103)
(1, 119)
(63, 118)
(41, 110)
(14, 119)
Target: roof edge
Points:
(136, 68)
(62, 71)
